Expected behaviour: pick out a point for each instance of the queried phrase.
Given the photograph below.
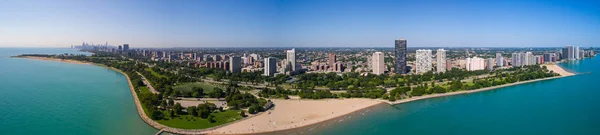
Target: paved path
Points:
(147, 83)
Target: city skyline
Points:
(273, 23)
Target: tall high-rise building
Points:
(331, 60)
(441, 60)
(423, 61)
(291, 59)
(570, 52)
(378, 63)
(475, 63)
(499, 60)
(490, 64)
(120, 48)
(270, 66)
(529, 59)
(515, 60)
(576, 52)
(235, 64)
(125, 47)
(400, 56)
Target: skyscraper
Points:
(331, 60)
(423, 63)
(515, 60)
(400, 56)
(378, 63)
(235, 64)
(499, 60)
(570, 52)
(576, 52)
(270, 66)
(441, 60)
(490, 64)
(475, 63)
(291, 59)
(125, 47)
(529, 59)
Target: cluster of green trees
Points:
(316, 94)
(203, 111)
(370, 92)
(278, 92)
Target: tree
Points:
(177, 108)
(157, 115)
(242, 113)
(192, 110)
(171, 102)
(204, 110)
(199, 92)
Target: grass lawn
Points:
(154, 73)
(144, 89)
(191, 122)
(188, 87)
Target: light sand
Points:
(558, 69)
(289, 114)
(55, 59)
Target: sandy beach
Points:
(289, 114)
(558, 69)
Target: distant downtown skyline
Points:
(300, 23)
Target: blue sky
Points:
(300, 23)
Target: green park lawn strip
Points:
(154, 73)
(188, 87)
(192, 122)
(144, 90)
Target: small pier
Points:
(160, 132)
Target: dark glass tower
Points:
(400, 58)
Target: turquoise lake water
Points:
(565, 106)
(45, 97)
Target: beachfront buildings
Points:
(475, 63)
(378, 63)
(499, 60)
(523, 59)
(490, 64)
(569, 52)
(331, 60)
(576, 52)
(291, 59)
(235, 64)
(270, 66)
(441, 60)
(516, 59)
(423, 61)
(400, 56)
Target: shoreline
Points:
(290, 115)
(554, 68)
(136, 100)
(295, 108)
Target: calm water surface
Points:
(44, 97)
(565, 106)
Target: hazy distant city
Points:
(291, 61)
